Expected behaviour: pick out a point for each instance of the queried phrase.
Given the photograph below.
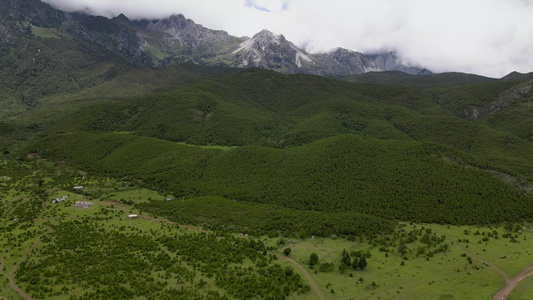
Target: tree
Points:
(342, 268)
(287, 251)
(362, 263)
(355, 263)
(402, 249)
(313, 259)
(346, 258)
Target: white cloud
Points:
(489, 37)
(274, 6)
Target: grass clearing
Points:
(512, 254)
(46, 33)
(523, 291)
(417, 279)
(447, 275)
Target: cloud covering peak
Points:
(487, 37)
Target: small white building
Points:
(83, 204)
(79, 187)
(132, 216)
(59, 200)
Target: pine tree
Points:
(362, 263)
(355, 263)
(346, 258)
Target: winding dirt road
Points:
(500, 271)
(510, 284)
(504, 293)
(11, 275)
(311, 280)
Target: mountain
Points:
(269, 51)
(177, 39)
(265, 50)
(52, 58)
(31, 12)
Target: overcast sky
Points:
(487, 37)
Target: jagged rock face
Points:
(186, 31)
(125, 39)
(131, 44)
(509, 97)
(270, 51)
(506, 99)
(33, 11)
(180, 28)
(342, 62)
(177, 39)
(356, 61)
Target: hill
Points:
(442, 80)
(259, 107)
(398, 180)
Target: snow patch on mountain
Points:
(300, 56)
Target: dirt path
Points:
(509, 286)
(11, 275)
(311, 280)
(500, 271)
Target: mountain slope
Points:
(177, 40)
(49, 56)
(400, 180)
(259, 107)
(427, 81)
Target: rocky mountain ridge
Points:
(177, 39)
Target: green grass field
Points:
(431, 267)
(444, 276)
(523, 291)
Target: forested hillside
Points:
(398, 180)
(264, 108)
(310, 143)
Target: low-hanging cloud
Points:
(488, 37)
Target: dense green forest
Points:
(263, 108)
(399, 180)
(315, 144)
(218, 213)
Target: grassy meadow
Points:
(431, 264)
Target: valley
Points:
(160, 159)
(436, 203)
